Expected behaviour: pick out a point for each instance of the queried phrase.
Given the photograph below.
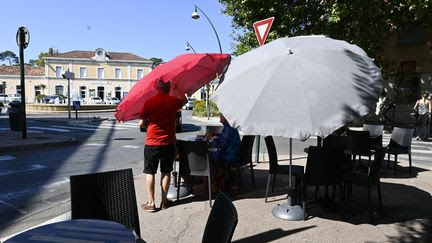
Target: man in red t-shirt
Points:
(159, 113)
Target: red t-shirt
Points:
(160, 111)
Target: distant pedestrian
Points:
(159, 114)
(423, 107)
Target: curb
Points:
(73, 121)
(71, 140)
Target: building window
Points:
(3, 88)
(118, 92)
(101, 73)
(92, 92)
(59, 71)
(140, 73)
(37, 90)
(18, 89)
(83, 72)
(83, 91)
(59, 89)
(101, 92)
(118, 73)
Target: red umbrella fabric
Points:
(189, 72)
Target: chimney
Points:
(50, 51)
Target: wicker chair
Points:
(222, 221)
(106, 195)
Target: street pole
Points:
(69, 108)
(23, 38)
(195, 15)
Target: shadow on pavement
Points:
(15, 190)
(272, 235)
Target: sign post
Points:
(76, 106)
(22, 39)
(262, 28)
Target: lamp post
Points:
(189, 47)
(69, 75)
(22, 39)
(195, 15)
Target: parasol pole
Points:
(285, 210)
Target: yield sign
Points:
(262, 29)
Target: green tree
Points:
(9, 56)
(156, 61)
(41, 61)
(366, 23)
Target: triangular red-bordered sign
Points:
(262, 29)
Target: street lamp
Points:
(189, 47)
(195, 15)
(69, 75)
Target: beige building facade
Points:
(97, 73)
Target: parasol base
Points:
(172, 192)
(291, 213)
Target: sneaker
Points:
(166, 205)
(148, 208)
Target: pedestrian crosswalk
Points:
(68, 128)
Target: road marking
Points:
(6, 157)
(27, 169)
(4, 129)
(95, 144)
(418, 151)
(50, 129)
(75, 128)
(127, 125)
(9, 196)
(14, 207)
(103, 127)
(131, 146)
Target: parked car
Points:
(112, 101)
(95, 100)
(190, 104)
(53, 99)
(15, 97)
(4, 98)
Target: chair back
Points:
(402, 136)
(245, 151)
(195, 153)
(344, 142)
(324, 166)
(106, 195)
(360, 142)
(222, 220)
(375, 169)
(272, 153)
(374, 130)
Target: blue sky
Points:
(148, 28)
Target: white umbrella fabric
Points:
(298, 87)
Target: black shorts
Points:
(152, 155)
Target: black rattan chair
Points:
(275, 168)
(324, 167)
(372, 179)
(106, 195)
(361, 144)
(244, 157)
(222, 221)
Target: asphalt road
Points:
(35, 183)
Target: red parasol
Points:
(189, 72)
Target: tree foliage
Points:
(40, 62)
(9, 56)
(156, 61)
(366, 23)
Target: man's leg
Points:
(165, 186)
(168, 157)
(150, 186)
